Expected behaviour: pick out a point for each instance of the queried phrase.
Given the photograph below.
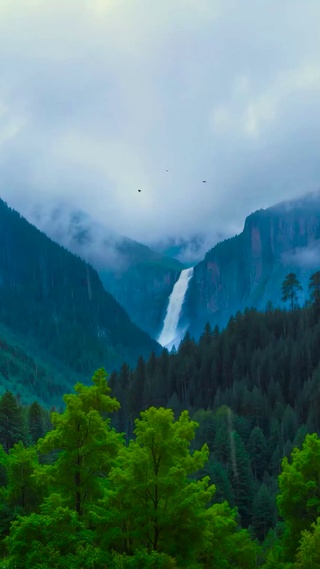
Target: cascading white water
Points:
(169, 331)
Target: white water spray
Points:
(170, 326)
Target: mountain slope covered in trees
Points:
(57, 304)
(139, 278)
(254, 390)
(32, 374)
(79, 496)
(248, 269)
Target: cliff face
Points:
(143, 290)
(248, 270)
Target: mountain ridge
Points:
(58, 301)
(140, 278)
(247, 270)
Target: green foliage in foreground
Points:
(94, 502)
(101, 503)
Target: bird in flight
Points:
(204, 181)
(139, 190)
(167, 170)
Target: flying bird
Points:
(204, 181)
(139, 190)
(167, 170)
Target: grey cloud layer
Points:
(99, 97)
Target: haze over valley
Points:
(159, 284)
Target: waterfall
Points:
(169, 331)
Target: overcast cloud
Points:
(100, 97)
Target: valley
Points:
(248, 381)
(246, 270)
(159, 284)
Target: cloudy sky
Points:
(98, 98)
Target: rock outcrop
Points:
(248, 269)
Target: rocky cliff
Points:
(143, 289)
(248, 269)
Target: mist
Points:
(100, 98)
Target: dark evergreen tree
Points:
(136, 393)
(290, 288)
(241, 478)
(206, 431)
(219, 476)
(314, 289)
(12, 429)
(264, 512)
(36, 423)
(257, 448)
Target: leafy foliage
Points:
(190, 489)
(84, 442)
(299, 498)
(152, 502)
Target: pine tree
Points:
(264, 512)
(241, 478)
(290, 288)
(135, 397)
(258, 452)
(206, 431)
(219, 477)
(11, 421)
(36, 423)
(314, 289)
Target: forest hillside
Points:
(205, 457)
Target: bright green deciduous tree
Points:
(52, 539)
(141, 560)
(3, 466)
(150, 500)
(299, 498)
(85, 443)
(227, 547)
(6, 513)
(22, 491)
(308, 556)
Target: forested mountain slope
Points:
(57, 303)
(248, 269)
(139, 278)
(32, 374)
(254, 389)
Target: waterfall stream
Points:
(170, 331)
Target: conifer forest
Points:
(203, 457)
